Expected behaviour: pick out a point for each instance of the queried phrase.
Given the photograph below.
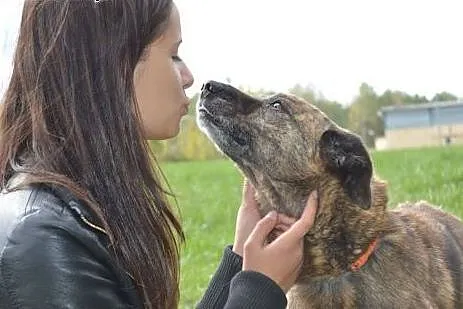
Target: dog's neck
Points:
(342, 231)
(283, 197)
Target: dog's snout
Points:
(211, 87)
(238, 101)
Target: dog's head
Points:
(284, 139)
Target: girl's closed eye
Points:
(177, 58)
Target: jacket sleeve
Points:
(231, 288)
(48, 264)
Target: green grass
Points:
(208, 195)
(432, 174)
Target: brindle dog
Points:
(358, 254)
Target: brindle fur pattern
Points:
(287, 147)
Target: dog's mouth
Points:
(203, 112)
(222, 129)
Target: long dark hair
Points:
(70, 119)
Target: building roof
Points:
(426, 105)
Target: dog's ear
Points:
(345, 155)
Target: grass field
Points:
(208, 194)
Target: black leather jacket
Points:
(54, 256)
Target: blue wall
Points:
(423, 117)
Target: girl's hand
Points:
(280, 260)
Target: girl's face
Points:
(160, 80)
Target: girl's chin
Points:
(164, 135)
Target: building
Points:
(421, 125)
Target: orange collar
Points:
(364, 257)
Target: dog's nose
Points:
(210, 87)
(207, 86)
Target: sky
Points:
(331, 45)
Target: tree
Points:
(394, 98)
(444, 96)
(363, 115)
(332, 109)
(307, 93)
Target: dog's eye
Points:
(276, 105)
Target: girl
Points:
(85, 222)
